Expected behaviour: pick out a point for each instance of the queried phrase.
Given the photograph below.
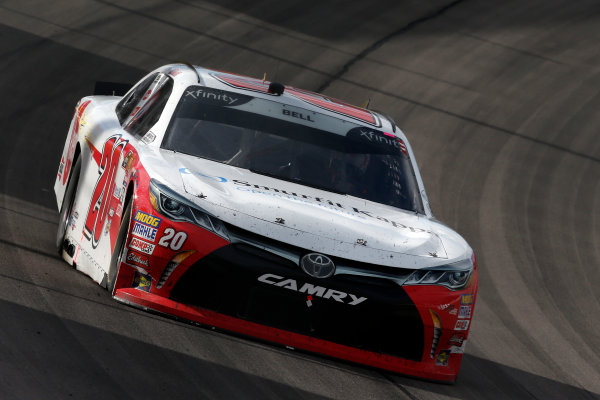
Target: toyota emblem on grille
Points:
(317, 265)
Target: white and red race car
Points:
(268, 211)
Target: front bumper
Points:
(412, 330)
(149, 301)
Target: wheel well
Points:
(128, 197)
(76, 155)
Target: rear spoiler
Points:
(111, 88)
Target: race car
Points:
(267, 211)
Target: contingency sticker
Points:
(465, 312)
(461, 325)
(137, 259)
(142, 281)
(145, 226)
(142, 246)
(144, 231)
(442, 358)
(466, 299)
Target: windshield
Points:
(294, 144)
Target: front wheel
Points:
(67, 207)
(119, 249)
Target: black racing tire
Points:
(117, 254)
(67, 206)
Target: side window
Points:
(147, 110)
(127, 103)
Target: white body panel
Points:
(314, 219)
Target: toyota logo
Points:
(317, 265)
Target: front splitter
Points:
(150, 302)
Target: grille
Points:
(290, 252)
(226, 281)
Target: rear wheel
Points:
(67, 207)
(119, 250)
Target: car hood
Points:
(314, 219)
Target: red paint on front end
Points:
(425, 298)
(160, 304)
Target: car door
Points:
(114, 157)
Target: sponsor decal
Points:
(144, 231)
(137, 259)
(105, 186)
(119, 209)
(147, 219)
(172, 239)
(142, 246)
(123, 192)
(149, 137)
(450, 308)
(459, 349)
(442, 358)
(309, 299)
(311, 290)
(142, 281)
(303, 198)
(107, 227)
(382, 138)
(297, 115)
(466, 299)
(462, 325)
(213, 95)
(318, 201)
(457, 343)
(465, 312)
(456, 339)
(186, 171)
(73, 218)
(127, 162)
(61, 167)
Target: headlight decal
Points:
(437, 332)
(177, 208)
(172, 265)
(455, 276)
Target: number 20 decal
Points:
(173, 240)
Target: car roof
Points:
(293, 96)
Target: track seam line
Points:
(28, 249)
(473, 120)
(212, 37)
(56, 35)
(27, 215)
(399, 386)
(363, 54)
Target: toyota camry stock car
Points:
(267, 211)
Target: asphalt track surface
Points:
(501, 102)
